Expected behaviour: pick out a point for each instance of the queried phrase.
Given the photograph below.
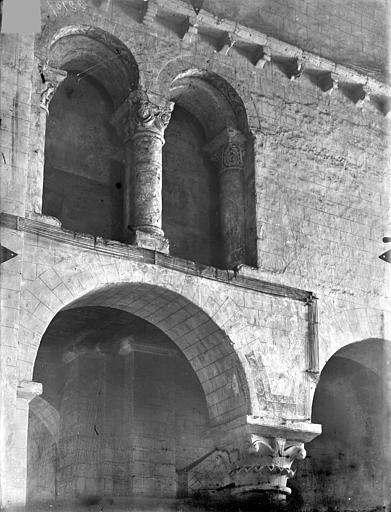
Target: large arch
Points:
(348, 465)
(207, 347)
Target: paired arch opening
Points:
(88, 173)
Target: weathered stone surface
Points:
(308, 212)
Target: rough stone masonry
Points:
(193, 312)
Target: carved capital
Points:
(259, 455)
(254, 465)
(27, 390)
(227, 150)
(264, 464)
(51, 79)
(138, 114)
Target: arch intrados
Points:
(371, 353)
(205, 103)
(93, 52)
(211, 99)
(206, 347)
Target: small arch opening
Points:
(84, 156)
(209, 218)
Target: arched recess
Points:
(208, 173)
(206, 347)
(138, 373)
(348, 465)
(85, 176)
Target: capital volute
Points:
(227, 150)
(51, 78)
(149, 115)
(138, 114)
(27, 390)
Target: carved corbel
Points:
(328, 82)
(297, 69)
(51, 78)
(292, 67)
(364, 97)
(228, 43)
(137, 113)
(262, 57)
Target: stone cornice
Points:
(267, 48)
(51, 230)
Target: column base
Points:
(151, 241)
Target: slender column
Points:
(227, 152)
(48, 79)
(26, 391)
(143, 123)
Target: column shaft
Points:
(147, 145)
(227, 152)
(232, 215)
(142, 124)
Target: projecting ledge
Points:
(303, 431)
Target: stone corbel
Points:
(191, 32)
(364, 96)
(328, 82)
(27, 390)
(262, 57)
(228, 42)
(51, 79)
(292, 67)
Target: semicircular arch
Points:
(89, 51)
(222, 79)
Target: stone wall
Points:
(320, 195)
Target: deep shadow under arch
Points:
(348, 465)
